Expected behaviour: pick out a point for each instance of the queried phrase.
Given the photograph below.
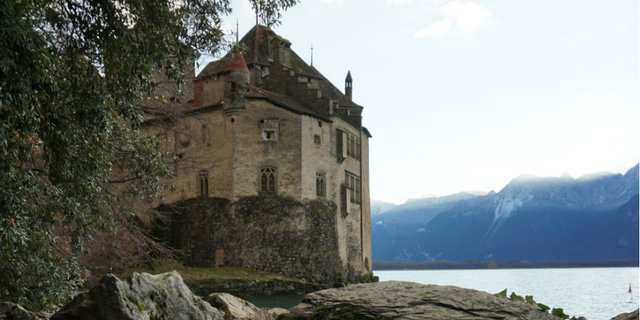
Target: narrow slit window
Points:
(203, 183)
(321, 184)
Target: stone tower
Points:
(237, 83)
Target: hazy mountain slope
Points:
(408, 218)
(378, 207)
(532, 218)
(617, 235)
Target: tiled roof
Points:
(285, 83)
(286, 102)
(213, 67)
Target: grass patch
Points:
(203, 277)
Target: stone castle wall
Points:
(253, 152)
(276, 234)
(229, 147)
(231, 151)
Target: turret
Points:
(348, 85)
(237, 83)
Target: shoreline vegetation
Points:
(241, 282)
(492, 264)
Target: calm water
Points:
(595, 293)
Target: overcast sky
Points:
(466, 95)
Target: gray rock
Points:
(276, 312)
(236, 308)
(143, 296)
(12, 311)
(408, 300)
(627, 316)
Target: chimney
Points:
(198, 86)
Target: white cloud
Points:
(466, 16)
(436, 29)
(400, 2)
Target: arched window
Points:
(268, 180)
(321, 184)
(203, 183)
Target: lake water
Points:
(595, 293)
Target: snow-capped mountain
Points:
(532, 218)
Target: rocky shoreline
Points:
(166, 297)
(257, 288)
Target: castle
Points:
(262, 124)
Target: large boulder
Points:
(408, 300)
(628, 316)
(143, 296)
(238, 309)
(12, 311)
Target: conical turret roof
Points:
(235, 61)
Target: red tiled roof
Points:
(235, 61)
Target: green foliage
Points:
(72, 74)
(558, 312)
(543, 307)
(198, 276)
(515, 297)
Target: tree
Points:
(71, 75)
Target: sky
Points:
(467, 95)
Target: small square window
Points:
(317, 139)
(270, 130)
(269, 134)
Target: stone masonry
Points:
(262, 126)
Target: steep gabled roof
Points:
(289, 82)
(286, 102)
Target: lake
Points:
(595, 293)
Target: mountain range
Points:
(592, 218)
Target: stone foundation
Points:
(270, 233)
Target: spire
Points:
(312, 55)
(237, 32)
(348, 85)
